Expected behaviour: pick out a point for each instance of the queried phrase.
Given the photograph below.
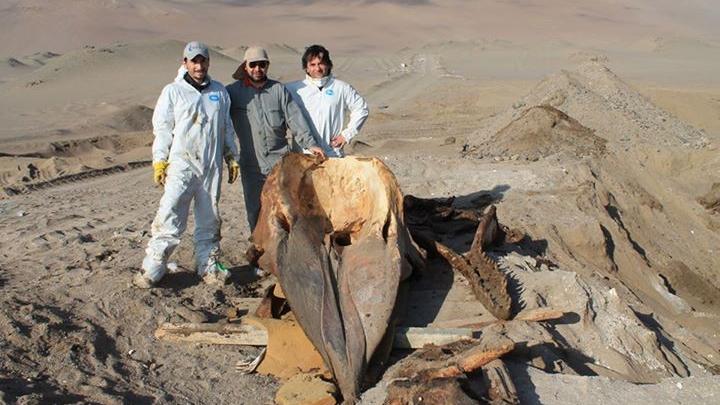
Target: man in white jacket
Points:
(324, 99)
(193, 135)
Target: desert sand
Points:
(594, 128)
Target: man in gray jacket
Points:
(262, 111)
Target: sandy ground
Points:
(614, 180)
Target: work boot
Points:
(141, 281)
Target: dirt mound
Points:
(603, 102)
(30, 171)
(635, 265)
(604, 327)
(109, 146)
(542, 131)
(130, 119)
(64, 158)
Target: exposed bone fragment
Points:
(432, 373)
(431, 391)
(453, 359)
(488, 283)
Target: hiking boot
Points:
(141, 281)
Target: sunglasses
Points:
(261, 64)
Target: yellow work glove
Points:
(160, 172)
(233, 171)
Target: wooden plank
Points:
(532, 315)
(539, 314)
(250, 335)
(415, 338)
(213, 333)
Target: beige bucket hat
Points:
(255, 54)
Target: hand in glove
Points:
(233, 171)
(160, 172)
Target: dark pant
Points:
(252, 183)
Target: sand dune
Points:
(348, 26)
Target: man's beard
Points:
(198, 77)
(260, 80)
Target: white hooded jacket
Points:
(325, 110)
(193, 127)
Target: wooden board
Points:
(251, 335)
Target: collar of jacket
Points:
(319, 83)
(198, 86)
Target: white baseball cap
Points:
(195, 48)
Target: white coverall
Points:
(193, 133)
(325, 110)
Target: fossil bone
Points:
(333, 233)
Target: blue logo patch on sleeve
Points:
(329, 92)
(214, 97)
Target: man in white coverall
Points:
(193, 134)
(324, 99)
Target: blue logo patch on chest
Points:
(329, 92)
(214, 97)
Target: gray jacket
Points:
(261, 118)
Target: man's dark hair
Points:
(317, 51)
